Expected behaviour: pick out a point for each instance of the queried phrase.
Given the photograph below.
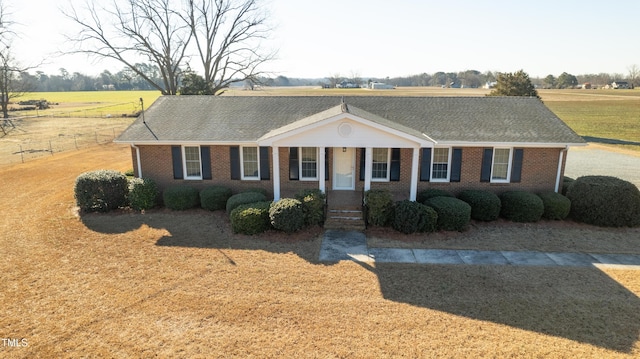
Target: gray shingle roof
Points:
(209, 119)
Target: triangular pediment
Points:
(345, 126)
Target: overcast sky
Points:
(374, 38)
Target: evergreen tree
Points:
(514, 84)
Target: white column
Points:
(321, 173)
(275, 158)
(368, 165)
(414, 174)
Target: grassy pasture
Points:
(89, 103)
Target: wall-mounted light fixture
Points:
(344, 149)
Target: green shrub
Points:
(566, 183)
(411, 217)
(556, 206)
(256, 190)
(143, 193)
(453, 214)
(215, 197)
(129, 172)
(101, 191)
(181, 197)
(432, 192)
(521, 206)
(485, 205)
(251, 218)
(379, 207)
(244, 198)
(605, 201)
(287, 215)
(313, 201)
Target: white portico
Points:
(345, 128)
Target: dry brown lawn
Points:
(166, 284)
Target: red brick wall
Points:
(539, 171)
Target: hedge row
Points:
(598, 200)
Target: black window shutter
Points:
(205, 159)
(425, 164)
(487, 158)
(234, 162)
(516, 165)
(363, 154)
(326, 164)
(176, 156)
(294, 173)
(394, 174)
(456, 165)
(264, 163)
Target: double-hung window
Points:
(440, 165)
(500, 165)
(250, 163)
(380, 166)
(192, 163)
(308, 163)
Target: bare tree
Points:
(228, 35)
(634, 74)
(224, 34)
(13, 83)
(129, 30)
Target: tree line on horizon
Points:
(127, 80)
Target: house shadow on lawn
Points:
(576, 303)
(198, 228)
(580, 304)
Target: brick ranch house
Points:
(404, 144)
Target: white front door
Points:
(344, 164)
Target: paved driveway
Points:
(597, 160)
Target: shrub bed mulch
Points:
(544, 236)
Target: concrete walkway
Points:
(342, 245)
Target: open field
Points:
(100, 104)
(167, 284)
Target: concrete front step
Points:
(344, 219)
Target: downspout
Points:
(560, 160)
(138, 160)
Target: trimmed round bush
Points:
(101, 190)
(244, 198)
(257, 190)
(287, 215)
(566, 183)
(410, 217)
(453, 214)
(432, 192)
(556, 206)
(379, 207)
(485, 205)
(215, 198)
(313, 201)
(181, 197)
(605, 201)
(143, 193)
(252, 218)
(521, 206)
